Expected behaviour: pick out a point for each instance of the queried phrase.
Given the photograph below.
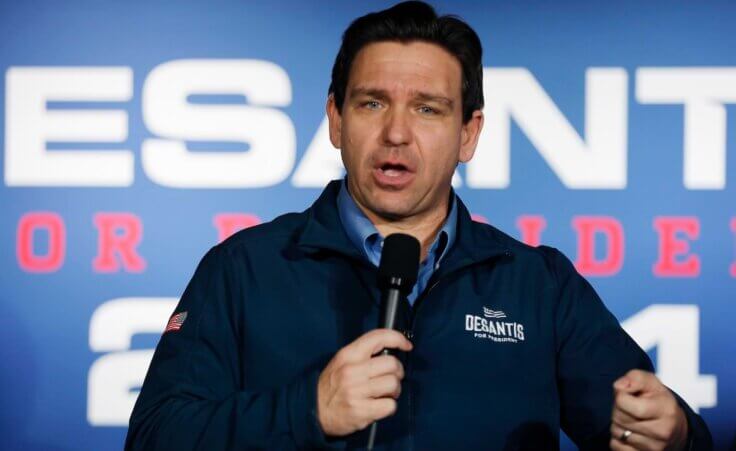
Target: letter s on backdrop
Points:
(268, 132)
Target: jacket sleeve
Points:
(593, 351)
(192, 396)
(698, 433)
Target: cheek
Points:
(360, 139)
(440, 151)
(354, 148)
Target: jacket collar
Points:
(323, 229)
(474, 242)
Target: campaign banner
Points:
(137, 135)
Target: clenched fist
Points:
(646, 415)
(356, 389)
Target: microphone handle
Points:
(391, 298)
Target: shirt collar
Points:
(364, 235)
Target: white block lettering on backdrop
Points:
(674, 330)
(114, 377)
(267, 131)
(703, 91)
(596, 162)
(29, 125)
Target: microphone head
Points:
(399, 262)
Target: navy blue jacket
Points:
(510, 345)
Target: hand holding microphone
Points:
(356, 389)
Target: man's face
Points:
(401, 132)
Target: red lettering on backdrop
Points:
(479, 218)
(733, 229)
(27, 226)
(229, 223)
(671, 247)
(587, 227)
(118, 233)
(531, 228)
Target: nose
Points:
(397, 128)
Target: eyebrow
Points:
(383, 94)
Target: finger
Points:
(384, 386)
(617, 445)
(656, 428)
(374, 341)
(636, 439)
(353, 374)
(636, 381)
(636, 406)
(380, 408)
(382, 365)
(623, 418)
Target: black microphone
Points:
(397, 274)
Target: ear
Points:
(335, 120)
(469, 136)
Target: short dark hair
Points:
(407, 22)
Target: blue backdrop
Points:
(137, 134)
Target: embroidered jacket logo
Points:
(491, 327)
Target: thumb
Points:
(637, 381)
(372, 342)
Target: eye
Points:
(424, 109)
(371, 104)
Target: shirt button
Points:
(409, 334)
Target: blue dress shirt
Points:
(369, 241)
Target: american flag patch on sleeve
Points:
(176, 322)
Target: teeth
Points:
(392, 172)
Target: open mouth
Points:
(393, 169)
(393, 175)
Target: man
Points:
(272, 343)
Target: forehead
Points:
(406, 68)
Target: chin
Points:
(391, 210)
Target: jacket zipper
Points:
(409, 333)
